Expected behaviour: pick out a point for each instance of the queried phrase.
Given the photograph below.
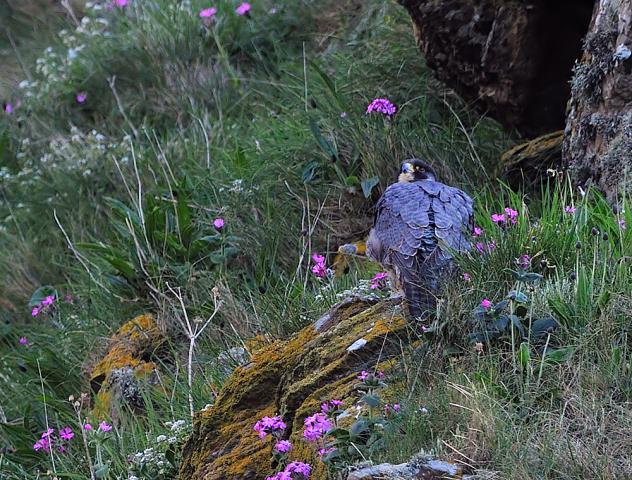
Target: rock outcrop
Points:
(117, 377)
(291, 378)
(512, 58)
(598, 136)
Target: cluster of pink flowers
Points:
(48, 440)
(510, 216)
(283, 446)
(363, 375)
(383, 106)
(299, 468)
(103, 427)
(378, 282)
(330, 406)
(319, 269)
(43, 305)
(316, 426)
(486, 304)
(208, 14)
(523, 261)
(270, 425)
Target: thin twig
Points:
(77, 255)
(111, 82)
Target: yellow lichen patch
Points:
(291, 378)
(128, 351)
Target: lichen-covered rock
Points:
(291, 378)
(117, 377)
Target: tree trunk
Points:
(598, 136)
(511, 58)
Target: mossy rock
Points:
(291, 378)
(127, 363)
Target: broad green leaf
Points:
(368, 185)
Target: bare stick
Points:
(111, 82)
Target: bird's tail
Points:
(421, 301)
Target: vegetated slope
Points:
(146, 122)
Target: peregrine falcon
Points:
(418, 223)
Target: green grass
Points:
(261, 121)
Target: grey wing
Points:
(453, 213)
(419, 217)
(400, 222)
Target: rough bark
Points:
(512, 58)
(598, 136)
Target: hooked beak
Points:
(407, 168)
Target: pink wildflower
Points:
(48, 432)
(523, 261)
(379, 281)
(24, 341)
(467, 277)
(569, 209)
(621, 224)
(42, 444)
(121, 3)
(8, 108)
(48, 301)
(512, 215)
(218, 223)
(485, 303)
(208, 12)
(300, 468)
(81, 97)
(325, 451)
(382, 105)
(363, 375)
(336, 403)
(283, 446)
(243, 9)
(87, 427)
(269, 425)
(105, 427)
(66, 433)
(316, 426)
(35, 312)
(280, 476)
(396, 407)
(498, 218)
(478, 231)
(380, 375)
(319, 269)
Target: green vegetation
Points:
(260, 120)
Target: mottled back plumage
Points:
(417, 224)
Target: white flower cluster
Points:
(362, 289)
(237, 186)
(152, 463)
(55, 65)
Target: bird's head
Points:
(414, 170)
